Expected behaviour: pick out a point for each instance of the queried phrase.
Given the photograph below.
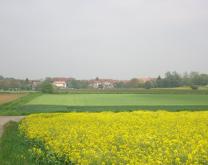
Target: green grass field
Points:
(119, 100)
(41, 103)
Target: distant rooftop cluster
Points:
(170, 80)
(63, 82)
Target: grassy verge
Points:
(13, 147)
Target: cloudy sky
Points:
(107, 38)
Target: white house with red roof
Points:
(60, 82)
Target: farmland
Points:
(5, 98)
(119, 99)
(147, 129)
(118, 138)
(41, 103)
(113, 82)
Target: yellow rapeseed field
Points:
(120, 138)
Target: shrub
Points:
(47, 87)
(194, 87)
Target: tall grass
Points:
(13, 147)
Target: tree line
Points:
(14, 84)
(169, 80)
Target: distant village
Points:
(97, 83)
(169, 80)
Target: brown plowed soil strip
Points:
(5, 98)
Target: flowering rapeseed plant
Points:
(121, 138)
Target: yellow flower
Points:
(138, 137)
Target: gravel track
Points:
(6, 119)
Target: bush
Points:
(148, 85)
(47, 87)
(194, 87)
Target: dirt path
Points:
(5, 119)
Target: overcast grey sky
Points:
(117, 39)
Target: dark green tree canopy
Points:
(47, 87)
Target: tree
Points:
(194, 87)
(172, 79)
(198, 79)
(159, 82)
(133, 83)
(195, 78)
(73, 84)
(186, 79)
(148, 85)
(77, 84)
(120, 84)
(47, 87)
(25, 84)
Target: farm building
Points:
(102, 83)
(60, 82)
(35, 84)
